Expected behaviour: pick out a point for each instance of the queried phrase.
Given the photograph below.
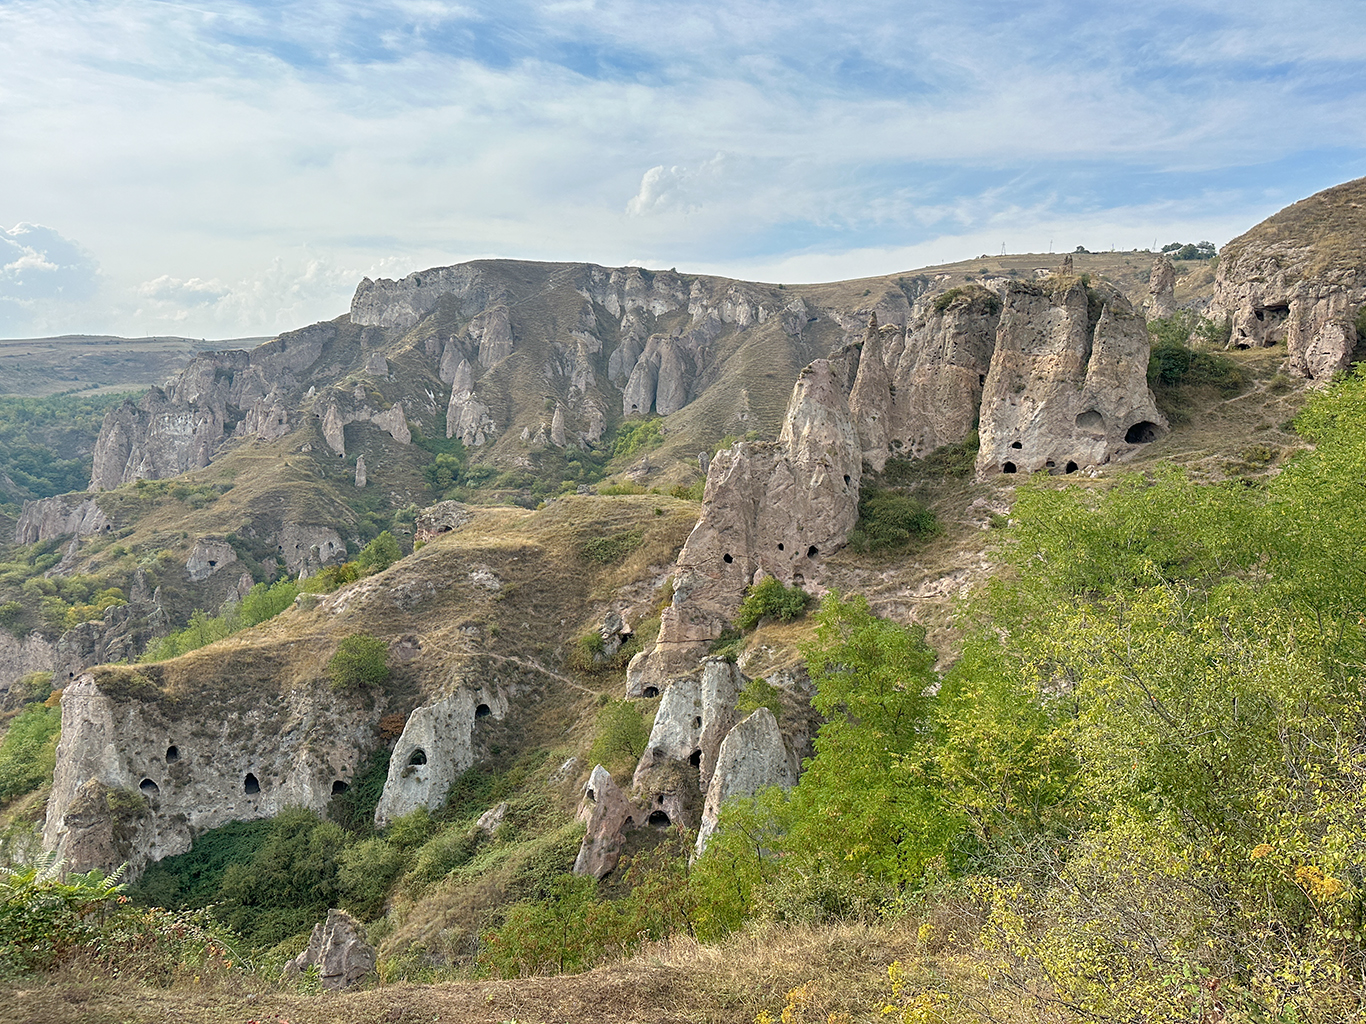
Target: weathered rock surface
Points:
(58, 517)
(920, 387)
(769, 509)
(1065, 392)
(436, 746)
(752, 757)
(208, 556)
(694, 716)
(20, 656)
(339, 951)
(307, 549)
(1161, 301)
(362, 478)
(609, 814)
(175, 770)
(1299, 277)
(440, 518)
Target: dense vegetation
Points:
(45, 443)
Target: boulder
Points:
(336, 947)
(1161, 301)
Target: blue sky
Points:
(233, 168)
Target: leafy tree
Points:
(769, 599)
(619, 735)
(379, 554)
(361, 661)
(28, 752)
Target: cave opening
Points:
(1142, 432)
(650, 691)
(695, 759)
(417, 757)
(1071, 467)
(339, 787)
(149, 788)
(251, 785)
(1009, 467)
(172, 754)
(483, 711)
(812, 551)
(659, 819)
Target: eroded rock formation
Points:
(1299, 278)
(1068, 387)
(58, 517)
(753, 756)
(338, 949)
(436, 746)
(769, 509)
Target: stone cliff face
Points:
(769, 509)
(139, 775)
(920, 387)
(60, 516)
(1299, 278)
(1065, 392)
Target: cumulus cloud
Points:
(678, 189)
(44, 277)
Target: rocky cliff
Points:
(1299, 278)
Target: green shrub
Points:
(760, 693)
(889, 521)
(769, 599)
(634, 437)
(619, 735)
(973, 298)
(693, 491)
(365, 873)
(193, 879)
(379, 554)
(1173, 363)
(361, 661)
(28, 752)
(449, 849)
(613, 548)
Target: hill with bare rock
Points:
(539, 619)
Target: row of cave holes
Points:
(1142, 432)
(811, 552)
(251, 785)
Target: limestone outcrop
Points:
(338, 949)
(752, 757)
(1065, 391)
(306, 549)
(140, 774)
(207, 557)
(20, 656)
(59, 517)
(436, 746)
(1161, 302)
(768, 509)
(1299, 278)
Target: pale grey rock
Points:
(1161, 302)
(338, 949)
(334, 426)
(1061, 396)
(440, 518)
(769, 509)
(615, 631)
(59, 516)
(306, 549)
(492, 329)
(753, 756)
(491, 819)
(395, 422)
(436, 746)
(20, 656)
(361, 478)
(557, 427)
(466, 417)
(451, 357)
(267, 419)
(402, 304)
(376, 365)
(254, 755)
(207, 557)
(609, 814)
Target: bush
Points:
(612, 549)
(889, 521)
(379, 554)
(361, 660)
(635, 437)
(1173, 363)
(769, 599)
(365, 874)
(760, 693)
(619, 735)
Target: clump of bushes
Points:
(361, 661)
(1174, 363)
(613, 548)
(28, 752)
(889, 521)
(769, 599)
(619, 734)
(760, 693)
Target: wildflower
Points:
(1259, 851)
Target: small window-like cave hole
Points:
(981, 379)
(418, 756)
(630, 822)
(251, 785)
(659, 819)
(149, 788)
(727, 558)
(651, 691)
(339, 787)
(781, 547)
(1049, 464)
(697, 722)
(483, 711)
(847, 479)
(1009, 467)
(172, 754)
(812, 551)
(1091, 419)
(1141, 433)
(590, 796)
(695, 759)
(1071, 467)
(213, 562)
(1017, 445)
